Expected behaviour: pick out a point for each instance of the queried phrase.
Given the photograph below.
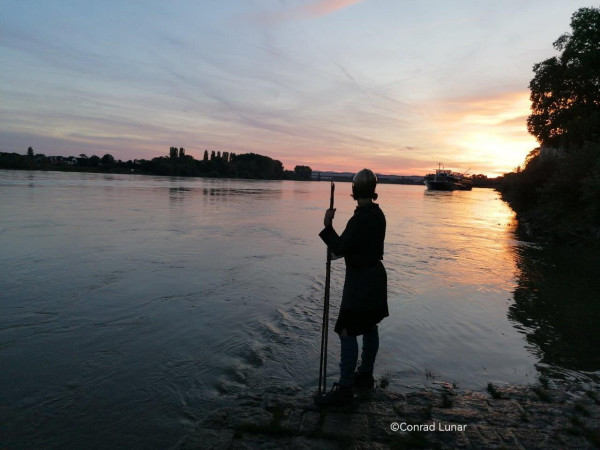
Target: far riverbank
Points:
(245, 166)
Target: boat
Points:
(446, 180)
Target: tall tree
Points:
(205, 155)
(565, 91)
(108, 159)
(303, 172)
(30, 151)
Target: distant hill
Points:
(381, 178)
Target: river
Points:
(132, 305)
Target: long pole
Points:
(325, 327)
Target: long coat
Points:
(364, 299)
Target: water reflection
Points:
(236, 192)
(177, 194)
(556, 306)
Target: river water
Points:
(133, 305)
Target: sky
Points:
(397, 86)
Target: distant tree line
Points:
(557, 191)
(215, 164)
(482, 181)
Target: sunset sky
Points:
(393, 85)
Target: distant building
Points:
(55, 160)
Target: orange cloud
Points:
(324, 7)
(319, 8)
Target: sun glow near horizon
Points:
(488, 133)
(485, 135)
(496, 133)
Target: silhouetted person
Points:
(364, 299)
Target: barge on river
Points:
(446, 180)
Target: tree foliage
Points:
(558, 191)
(108, 159)
(251, 165)
(175, 163)
(565, 90)
(303, 172)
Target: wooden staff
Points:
(325, 327)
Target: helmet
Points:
(363, 185)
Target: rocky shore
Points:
(519, 417)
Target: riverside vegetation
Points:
(557, 193)
(177, 163)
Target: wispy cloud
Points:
(324, 7)
(312, 10)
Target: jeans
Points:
(349, 355)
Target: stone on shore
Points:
(521, 417)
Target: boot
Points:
(337, 396)
(363, 381)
